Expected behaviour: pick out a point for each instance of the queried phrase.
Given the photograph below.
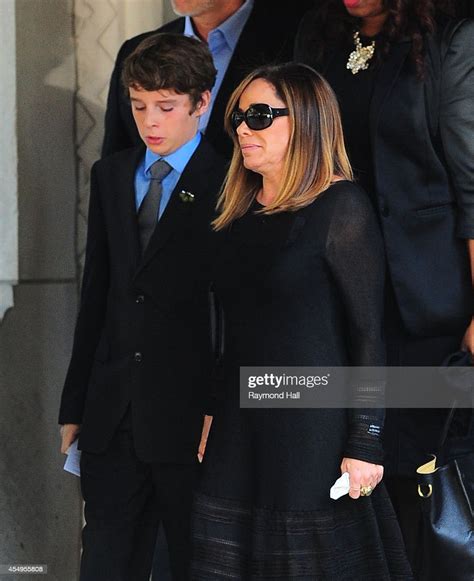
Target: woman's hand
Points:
(468, 339)
(361, 474)
(204, 435)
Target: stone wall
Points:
(40, 507)
(64, 55)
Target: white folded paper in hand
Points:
(340, 487)
(72, 461)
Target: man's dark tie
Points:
(148, 212)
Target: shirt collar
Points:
(231, 28)
(178, 159)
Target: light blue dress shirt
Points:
(177, 160)
(222, 42)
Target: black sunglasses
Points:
(257, 117)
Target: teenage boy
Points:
(135, 389)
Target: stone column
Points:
(8, 158)
(40, 506)
(55, 61)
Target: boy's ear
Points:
(203, 104)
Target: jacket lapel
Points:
(125, 188)
(244, 59)
(193, 180)
(386, 78)
(249, 53)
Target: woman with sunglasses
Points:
(404, 77)
(300, 281)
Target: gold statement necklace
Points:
(359, 59)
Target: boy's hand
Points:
(69, 433)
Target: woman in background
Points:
(404, 77)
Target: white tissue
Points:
(340, 487)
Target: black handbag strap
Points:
(447, 425)
(459, 360)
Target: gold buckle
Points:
(422, 494)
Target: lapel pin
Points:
(186, 196)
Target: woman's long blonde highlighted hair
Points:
(316, 152)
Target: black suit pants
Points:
(125, 501)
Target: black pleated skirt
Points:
(259, 513)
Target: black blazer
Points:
(422, 141)
(267, 37)
(142, 333)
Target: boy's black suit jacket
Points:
(267, 37)
(143, 333)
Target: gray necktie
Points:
(148, 212)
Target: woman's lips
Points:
(248, 147)
(350, 3)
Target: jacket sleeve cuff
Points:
(365, 443)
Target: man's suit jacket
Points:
(267, 37)
(143, 333)
(422, 140)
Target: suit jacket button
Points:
(140, 299)
(138, 357)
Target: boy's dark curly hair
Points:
(170, 61)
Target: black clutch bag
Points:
(446, 494)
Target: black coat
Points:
(142, 334)
(422, 141)
(267, 37)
